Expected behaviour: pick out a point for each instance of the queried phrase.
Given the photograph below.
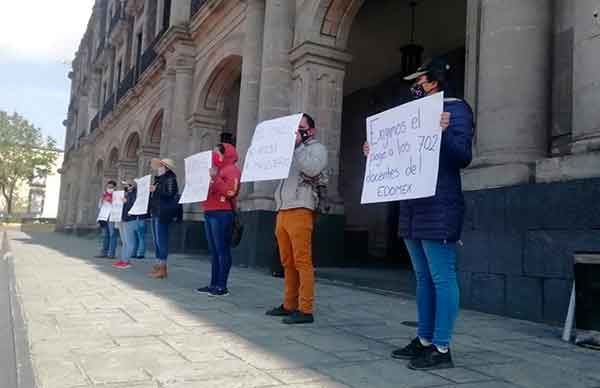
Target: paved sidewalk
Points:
(90, 325)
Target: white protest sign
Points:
(116, 211)
(197, 177)
(404, 154)
(104, 211)
(140, 206)
(270, 154)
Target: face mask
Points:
(304, 135)
(418, 91)
(162, 170)
(110, 190)
(216, 159)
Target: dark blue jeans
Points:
(434, 263)
(140, 238)
(160, 235)
(109, 239)
(218, 228)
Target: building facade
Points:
(171, 77)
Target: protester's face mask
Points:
(304, 134)
(162, 170)
(110, 189)
(422, 87)
(418, 91)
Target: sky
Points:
(38, 41)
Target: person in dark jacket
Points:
(164, 209)
(431, 228)
(127, 227)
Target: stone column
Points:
(251, 68)
(180, 12)
(250, 84)
(318, 83)
(586, 77)
(513, 99)
(176, 136)
(95, 93)
(83, 205)
(149, 28)
(275, 80)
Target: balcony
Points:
(196, 5)
(95, 123)
(108, 106)
(149, 55)
(126, 84)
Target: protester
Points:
(109, 232)
(296, 202)
(432, 226)
(127, 227)
(219, 214)
(164, 209)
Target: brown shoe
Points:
(161, 273)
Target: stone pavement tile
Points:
(462, 375)
(288, 356)
(202, 371)
(243, 381)
(486, 384)
(332, 340)
(363, 355)
(381, 374)
(317, 384)
(381, 331)
(127, 364)
(296, 375)
(482, 358)
(58, 373)
(532, 375)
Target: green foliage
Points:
(24, 155)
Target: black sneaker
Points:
(218, 292)
(411, 351)
(432, 359)
(279, 312)
(204, 290)
(298, 318)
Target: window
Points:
(119, 72)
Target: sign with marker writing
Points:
(118, 200)
(270, 154)
(140, 206)
(404, 153)
(197, 177)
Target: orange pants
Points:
(294, 230)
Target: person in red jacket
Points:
(219, 213)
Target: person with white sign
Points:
(127, 227)
(109, 233)
(219, 208)
(431, 225)
(296, 203)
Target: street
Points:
(91, 325)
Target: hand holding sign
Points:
(403, 148)
(270, 154)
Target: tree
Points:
(24, 154)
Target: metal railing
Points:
(108, 106)
(95, 123)
(126, 84)
(196, 5)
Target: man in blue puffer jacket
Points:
(431, 228)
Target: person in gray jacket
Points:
(297, 200)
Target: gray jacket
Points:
(310, 159)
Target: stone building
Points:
(170, 77)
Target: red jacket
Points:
(224, 187)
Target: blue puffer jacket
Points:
(441, 217)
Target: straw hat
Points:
(168, 163)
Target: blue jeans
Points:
(434, 263)
(160, 234)
(140, 238)
(128, 238)
(109, 239)
(218, 227)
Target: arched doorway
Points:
(215, 115)
(150, 143)
(129, 164)
(373, 83)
